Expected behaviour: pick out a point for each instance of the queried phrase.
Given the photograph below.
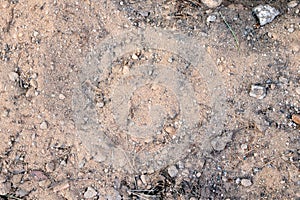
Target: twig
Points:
(232, 32)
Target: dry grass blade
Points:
(231, 30)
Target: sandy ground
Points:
(164, 99)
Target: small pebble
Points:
(292, 4)
(5, 113)
(144, 179)
(90, 193)
(185, 173)
(33, 83)
(134, 56)
(60, 187)
(211, 18)
(125, 70)
(44, 125)
(265, 14)
(100, 104)
(180, 165)
(13, 76)
(244, 146)
(50, 167)
(246, 182)
(296, 118)
(61, 96)
(291, 29)
(212, 3)
(35, 33)
(172, 171)
(258, 92)
(298, 90)
(170, 130)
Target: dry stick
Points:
(232, 32)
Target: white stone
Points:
(134, 56)
(44, 125)
(61, 96)
(258, 92)
(172, 171)
(90, 193)
(246, 182)
(244, 146)
(265, 14)
(211, 18)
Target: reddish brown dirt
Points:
(148, 100)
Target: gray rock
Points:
(258, 92)
(246, 182)
(172, 171)
(90, 193)
(212, 3)
(265, 14)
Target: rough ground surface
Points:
(148, 100)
